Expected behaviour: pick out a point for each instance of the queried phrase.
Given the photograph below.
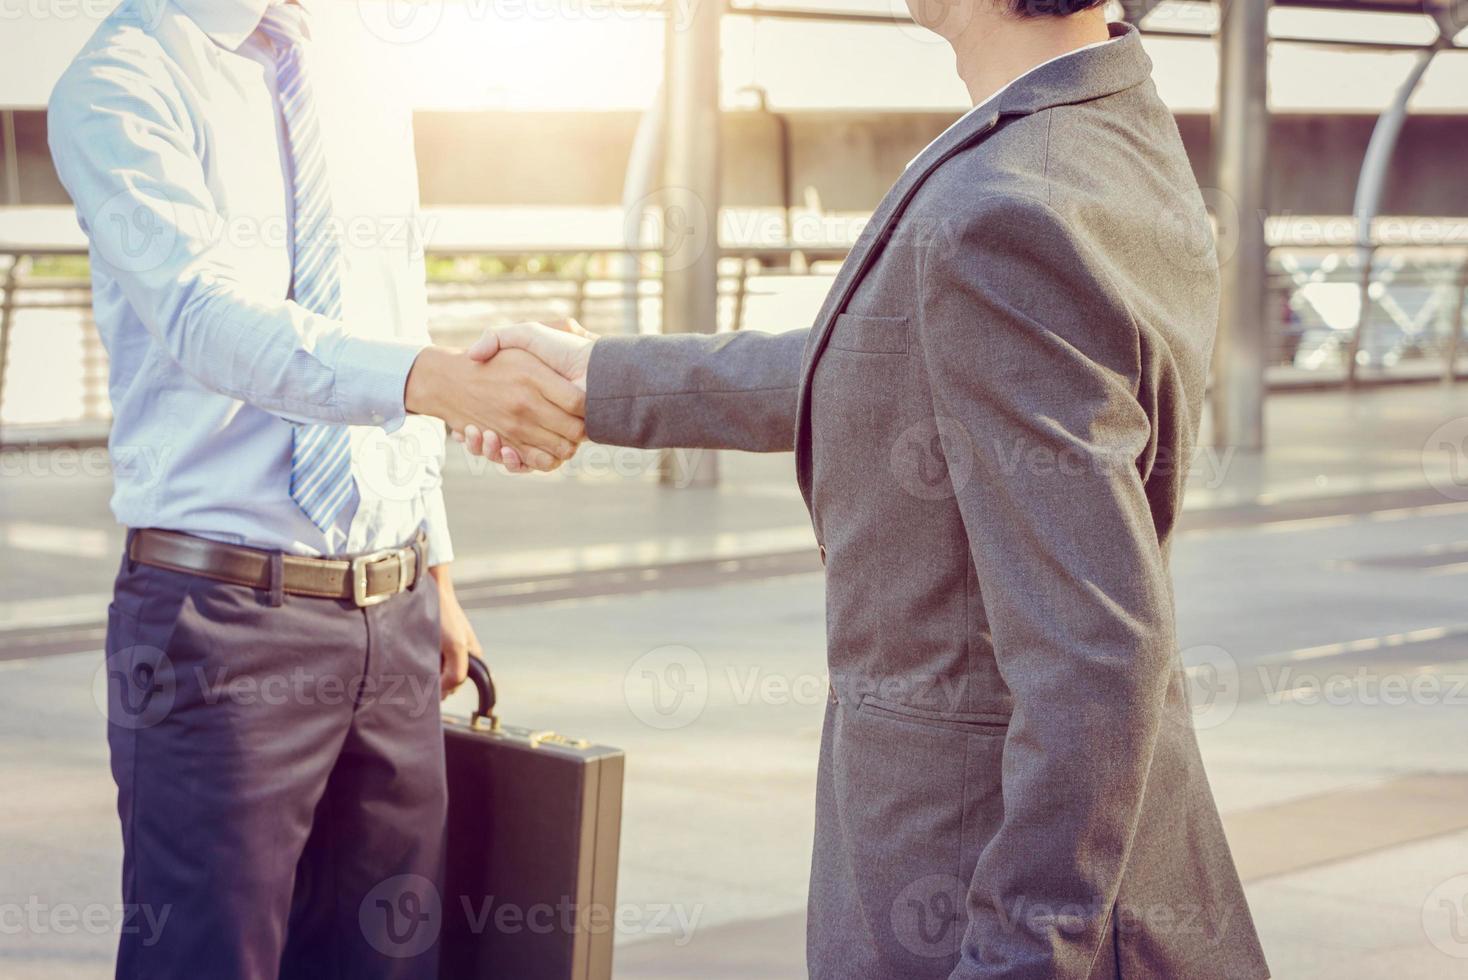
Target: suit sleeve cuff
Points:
(612, 374)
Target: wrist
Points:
(428, 378)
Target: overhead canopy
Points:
(1372, 6)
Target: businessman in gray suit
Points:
(992, 419)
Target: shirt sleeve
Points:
(126, 151)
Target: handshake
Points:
(517, 396)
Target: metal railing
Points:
(1413, 323)
(1414, 328)
(468, 290)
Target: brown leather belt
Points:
(366, 579)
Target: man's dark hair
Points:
(1050, 8)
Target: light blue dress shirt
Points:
(167, 133)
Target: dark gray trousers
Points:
(280, 781)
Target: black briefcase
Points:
(534, 826)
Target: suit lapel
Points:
(1078, 77)
(969, 130)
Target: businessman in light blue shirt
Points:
(284, 620)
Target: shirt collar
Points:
(1092, 72)
(1044, 64)
(229, 23)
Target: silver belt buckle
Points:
(359, 576)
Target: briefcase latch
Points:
(556, 738)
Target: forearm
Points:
(277, 356)
(725, 391)
(1076, 595)
(1077, 753)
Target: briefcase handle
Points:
(483, 683)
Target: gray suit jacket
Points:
(993, 417)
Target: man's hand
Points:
(563, 345)
(535, 410)
(457, 642)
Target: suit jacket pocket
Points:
(870, 334)
(979, 723)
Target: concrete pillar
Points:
(11, 157)
(1455, 327)
(691, 189)
(1242, 132)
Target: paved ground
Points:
(1320, 603)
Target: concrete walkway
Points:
(1330, 708)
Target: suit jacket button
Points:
(823, 554)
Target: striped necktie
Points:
(321, 459)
